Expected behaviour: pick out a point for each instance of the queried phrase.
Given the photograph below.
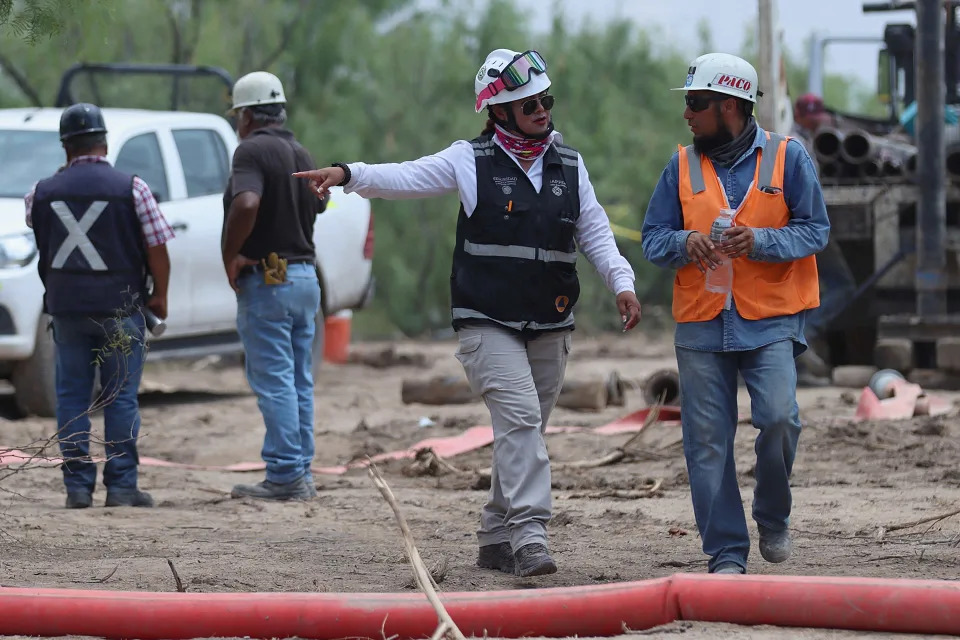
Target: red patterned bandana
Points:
(523, 148)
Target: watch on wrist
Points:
(346, 173)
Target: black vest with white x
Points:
(515, 257)
(92, 255)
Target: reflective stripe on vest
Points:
(760, 289)
(567, 155)
(483, 148)
(768, 161)
(77, 237)
(461, 313)
(517, 251)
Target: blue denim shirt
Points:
(665, 245)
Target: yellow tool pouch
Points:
(274, 269)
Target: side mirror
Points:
(884, 90)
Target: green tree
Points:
(36, 19)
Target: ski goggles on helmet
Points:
(514, 75)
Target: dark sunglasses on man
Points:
(530, 105)
(700, 102)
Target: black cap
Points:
(81, 118)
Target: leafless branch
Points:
(914, 523)
(176, 576)
(38, 453)
(623, 494)
(286, 32)
(424, 580)
(20, 80)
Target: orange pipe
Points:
(859, 604)
(898, 605)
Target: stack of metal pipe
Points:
(850, 154)
(853, 155)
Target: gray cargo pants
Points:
(519, 379)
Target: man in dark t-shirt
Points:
(269, 258)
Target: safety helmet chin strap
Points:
(510, 124)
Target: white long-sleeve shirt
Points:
(455, 169)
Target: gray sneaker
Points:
(775, 546)
(729, 567)
(497, 556)
(533, 560)
(267, 490)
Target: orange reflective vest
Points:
(760, 289)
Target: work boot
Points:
(533, 560)
(79, 499)
(775, 546)
(497, 556)
(128, 498)
(729, 567)
(267, 490)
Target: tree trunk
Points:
(585, 395)
(437, 390)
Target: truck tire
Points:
(34, 379)
(318, 345)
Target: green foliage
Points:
(380, 81)
(33, 20)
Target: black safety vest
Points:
(515, 257)
(90, 240)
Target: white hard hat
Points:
(532, 71)
(722, 73)
(259, 87)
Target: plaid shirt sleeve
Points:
(28, 204)
(156, 231)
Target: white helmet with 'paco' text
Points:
(722, 73)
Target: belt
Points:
(258, 268)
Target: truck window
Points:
(141, 156)
(204, 158)
(27, 157)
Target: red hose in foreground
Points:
(897, 605)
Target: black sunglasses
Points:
(699, 103)
(529, 106)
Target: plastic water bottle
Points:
(720, 280)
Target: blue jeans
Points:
(81, 344)
(708, 407)
(277, 324)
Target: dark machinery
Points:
(892, 187)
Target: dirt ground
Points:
(849, 479)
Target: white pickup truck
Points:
(185, 159)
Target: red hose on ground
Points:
(913, 606)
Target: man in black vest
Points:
(526, 207)
(101, 238)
